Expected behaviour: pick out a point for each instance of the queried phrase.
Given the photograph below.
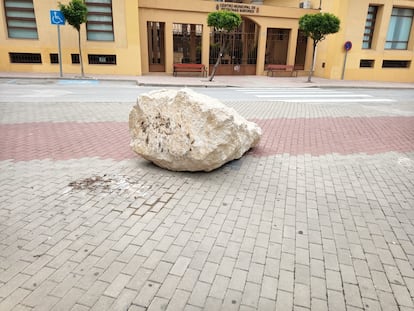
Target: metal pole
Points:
(60, 52)
(343, 68)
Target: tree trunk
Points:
(313, 62)
(222, 49)
(80, 54)
(213, 73)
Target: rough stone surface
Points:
(187, 131)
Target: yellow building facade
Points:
(138, 37)
(381, 59)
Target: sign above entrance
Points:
(238, 8)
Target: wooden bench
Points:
(190, 68)
(281, 68)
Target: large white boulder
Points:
(187, 131)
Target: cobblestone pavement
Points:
(318, 217)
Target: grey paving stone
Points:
(352, 295)
(333, 280)
(146, 294)
(251, 295)
(158, 304)
(255, 274)
(178, 301)
(117, 285)
(302, 295)
(209, 272)
(69, 300)
(180, 266)
(286, 280)
(302, 274)
(318, 288)
(387, 301)
(91, 296)
(336, 300)
(103, 303)
(168, 287)
(189, 279)
(14, 299)
(284, 300)
(199, 294)
(219, 287)
(402, 296)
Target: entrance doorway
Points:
(277, 44)
(240, 54)
(301, 45)
(156, 46)
(187, 43)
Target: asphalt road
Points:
(36, 90)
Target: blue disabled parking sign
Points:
(56, 17)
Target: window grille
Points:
(102, 59)
(75, 58)
(241, 45)
(396, 64)
(25, 58)
(366, 63)
(187, 42)
(54, 58)
(156, 39)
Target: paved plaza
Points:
(319, 216)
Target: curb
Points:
(136, 81)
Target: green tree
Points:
(318, 26)
(223, 22)
(75, 13)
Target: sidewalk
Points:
(222, 81)
(318, 217)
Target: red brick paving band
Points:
(110, 140)
(345, 135)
